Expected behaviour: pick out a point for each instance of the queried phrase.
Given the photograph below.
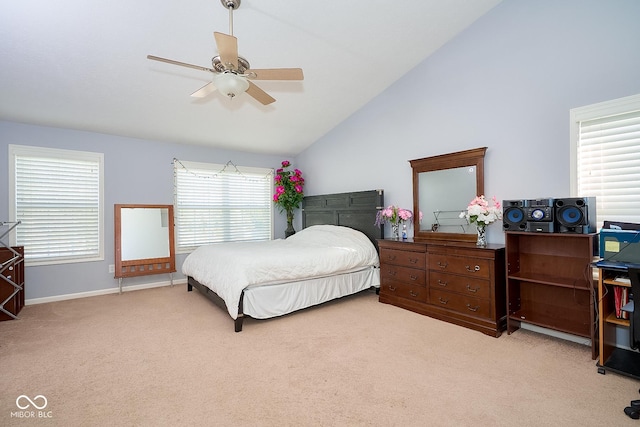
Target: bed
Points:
(334, 255)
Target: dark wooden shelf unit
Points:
(550, 282)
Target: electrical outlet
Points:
(112, 268)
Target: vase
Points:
(482, 235)
(394, 231)
(290, 231)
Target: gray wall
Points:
(136, 171)
(507, 83)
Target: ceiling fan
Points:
(232, 73)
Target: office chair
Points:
(633, 411)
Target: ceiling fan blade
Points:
(276, 74)
(182, 64)
(204, 90)
(227, 48)
(261, 96)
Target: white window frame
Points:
(63, 155)
(205, 173)
(591, 112)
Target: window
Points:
(221, 203)
(605, 155)
(57, 195)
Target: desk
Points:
(612, 358)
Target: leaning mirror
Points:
(144, 241)
(443, 186)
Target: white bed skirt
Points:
(264, 302)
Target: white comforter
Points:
(316, 251)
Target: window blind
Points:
(221, 203)
(57, 197)
(609, 165)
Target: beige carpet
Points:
(166, 356)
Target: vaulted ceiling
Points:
(83, 65)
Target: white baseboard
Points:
(33, 301)
(556, 334)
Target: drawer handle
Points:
(441, 283)
(392, 288)
(391, 257)
(473, 270)
(443, 301)
(413, 260)
(413, 294)
(391, 273)
(474, 290)
(441, 265)
(474, 309)
(414, 278)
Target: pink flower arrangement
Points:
(393, 215)
(289, 188)
(482, 212)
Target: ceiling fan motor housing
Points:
(219, 66)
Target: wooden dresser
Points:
(457, 282)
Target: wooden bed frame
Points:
(356, 210)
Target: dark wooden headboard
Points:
(356, 210)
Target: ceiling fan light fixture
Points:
(230, 84)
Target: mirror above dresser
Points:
(443, 186)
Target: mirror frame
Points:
(142, 267)
(473, 157)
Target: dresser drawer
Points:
(461, 303)
(394, 273)
(476, 267)
(403, 290)
(479, 288)
(406, 258)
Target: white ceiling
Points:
(82, 64)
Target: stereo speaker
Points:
(514, 217)
(576, 215)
